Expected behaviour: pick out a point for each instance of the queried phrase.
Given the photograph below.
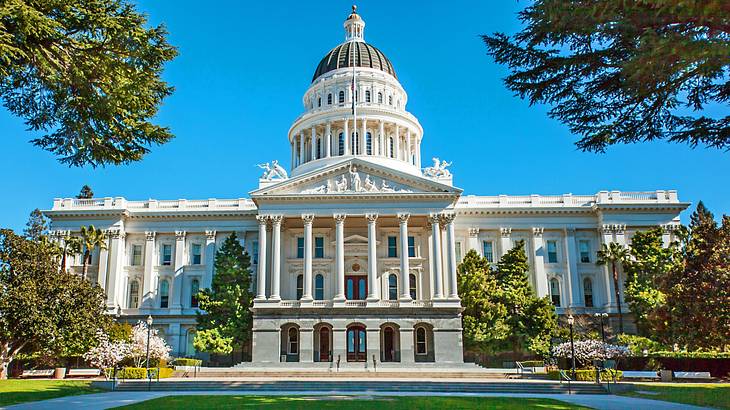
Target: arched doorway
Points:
(356, 343)
(389, 343)
(290, 343)
(322, 343)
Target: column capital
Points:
(505, 232)
(150, 235)
(669, 228)
(403, 218)
(276, 219)
(434, 219)
(263, 219)
(619, 228)
(339, 218)
(371, 217)
(179, 235)
(473, 232)
(116, 233)
(308, 219)
(570, 231)
(210, 235)
(537, 231)
(447, 217)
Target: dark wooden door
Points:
(389, 355)
(356, 344)
(356, 287)
(324, 345)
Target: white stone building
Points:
(354, 253)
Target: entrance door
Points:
(356, 287)
(356, 344)
(324, 345)
(388, 343)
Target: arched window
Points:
(369, 143)
(412, 283)
(391, 143)
(367, 96)
(588, 292)
(300, 286)
(421, 342)
(133, 302)
(329, 99)
(380, 98)
(319, 101)
(390, 100)
(555, 291)
(319, 148)
(393, 287)
(292, 347)
(164, 294)
(194, 289)
(341, 144)
(341, 97)
(319, 287)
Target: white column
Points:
(473, 242)
(574, 283)
(148, 282)
(372, 259)
(209, 258)
(381, 138)
(438, 292)
(275, 256)
(418, 151)
(363, 139)
(301, 147)
(451, 254)
(177, 287)
(261, 280)
(505, 241)
(607, 238)
(405, 269)
(115, 282)
(408, 146)
(328, 140)
(620, 232)
(308, 219)
(346, 140)
(340, 256)
(397, 141)
(541, 283)
(313, 138)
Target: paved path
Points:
(115, 399)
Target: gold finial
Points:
(354, 9)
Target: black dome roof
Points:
(365, 56)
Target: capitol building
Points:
(355, 246)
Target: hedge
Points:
(140, 372)
(690, 355)
(587, 375)
(187, 362)
(533, 363)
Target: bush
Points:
(637, 344)
(691, 355)
(140, 372)
(533, 363)
(588, 375)
(187, 362)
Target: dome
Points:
(365, 56)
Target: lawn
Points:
(346, 403)
(20, 391)
(700, 394)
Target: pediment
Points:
(355, 240)
(355, 177)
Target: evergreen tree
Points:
(85, 193)
(227, 319)
(614, 254)
(37, 226)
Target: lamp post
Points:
(571, 321)
(601, 316)
(147, 364)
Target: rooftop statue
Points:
(438, 170)
(273, 171)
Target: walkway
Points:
(115, 399)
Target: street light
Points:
(571, 321)
(147, 365)
(603, 331)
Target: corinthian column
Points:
(451, 254)
(438, 292)
(340, 256)
(307, 294)
(405, 294)
(372, 259)
(275, 256)
(328, 140)
(261, 280)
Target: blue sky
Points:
(244, 66)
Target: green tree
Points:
(614, 254)
(86, 74)
(85, 193)
(483, 318)
(91, 238)
(226, 319)
(42, 311)
(72, 246)
(37, 226)
(619, 72)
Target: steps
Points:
(226, 373)
(359, 386)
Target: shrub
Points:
(691, 355)
(588, 350)
(588, 375)
(637, 344)
(140, 372)
(187, 362)
(533, 363)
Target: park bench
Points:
(634, 374)
(37, 373)
(692, 375)
(84, 372)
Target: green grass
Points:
(346, 403)
(700, 394)
(20, 391)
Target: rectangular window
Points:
(196, 254)
(166, 255)
(411, 247)
(458, 251)
(319, 247)
(392, 247)
(255, 253)
(552, 251)
(488, 250)
(585, 251)
(300, 248)
(136, 255)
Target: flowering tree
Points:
(107, 354)
(588, 350)
(159, 349)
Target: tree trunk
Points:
(85, 266)
(4, 360)
(618, 298)
(63, 259)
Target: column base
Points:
(339, 298)
(405, 299)
(306, 300)
(259, 298)
(372, 299)
(275, 298)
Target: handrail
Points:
(564, 376)
(338, 363)
(375, 364)
(520, 368)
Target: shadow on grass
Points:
(21, 391)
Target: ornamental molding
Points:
(339, 218)
(403, 218)
(276, 219)
(308, 218)
(371, 217)
(538, 231)
(669, 228)
(116, 233)
(210, 235)
(473, 232)
(150, 235)
(447, 217)
(505, 232)
(262, 219)
(434, 219)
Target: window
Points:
(411, 247)
(194, 289)
(588, 292)
(458, 251)
(369, 143)
(319, 148)
(133, 302)
(329, 99)
(412, 283)
(341, 144)
(293, 345)
(319, 287)
(392, 247)
(367, 96)
(421, 340)
(196, 254)
(585, 251)
(136, 255)
(552, 251)
(390, 100)
(300, 286)
(555, 291)
(393, 287)
(391, 143)
(164, 294)
(354, 143)
(488, 250)
(166, 255)
(380, 98)
(319, 102)
(319, 247)
(255, 252)
(300, 247)
(341, 97)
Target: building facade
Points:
(355, 249)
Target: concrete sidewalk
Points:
(116, 399)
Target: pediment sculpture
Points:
(273, 171)
(353, 182)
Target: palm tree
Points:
(90, 239)
(71, 246)
(614, 253)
